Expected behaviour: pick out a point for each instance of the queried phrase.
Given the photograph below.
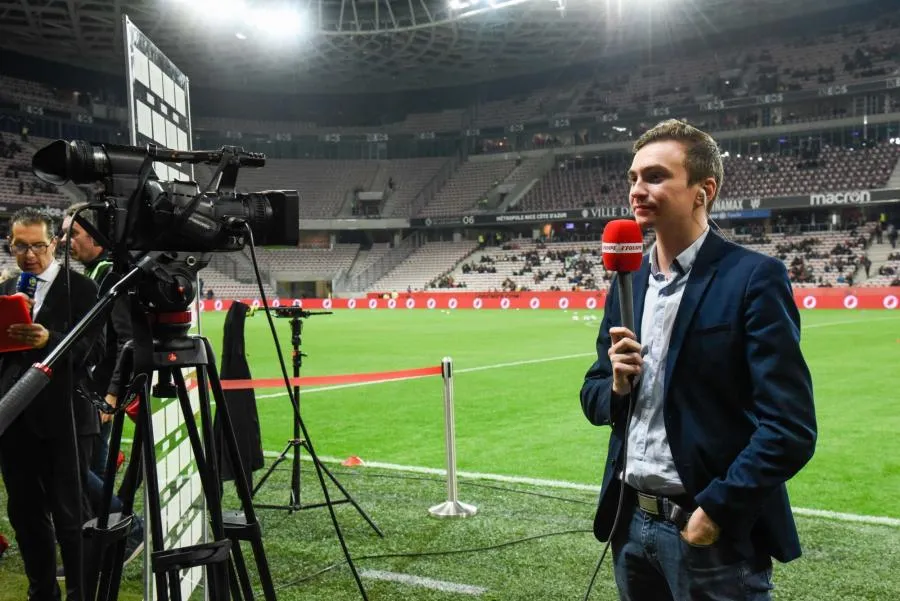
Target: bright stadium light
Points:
(219, 10)
(280, 22)
(284, 22)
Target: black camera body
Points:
(143, 213)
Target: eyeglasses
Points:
(21, 249)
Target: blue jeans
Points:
(653, 563)
(95, 494)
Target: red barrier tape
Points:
(382, 376)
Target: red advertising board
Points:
(806, 298)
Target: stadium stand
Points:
(530, 265)
(449, 120)
(324, 185)
(471, 183)
(575, 184)
(423, 265)
(366, 258)
(887, 274)
(884, 259)
(309, 263)
(17, 182)
(409, 177)
(828, 258)
(833, 169)
(217, 285)
(327, 187)
(37, 94)
(858, 53)
(518, 109)
(571, 186)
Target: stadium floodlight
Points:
(280, 22)
(218, 10)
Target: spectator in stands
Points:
(705, 482)
(892, 235)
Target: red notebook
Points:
(13, 309)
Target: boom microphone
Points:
(623, 251)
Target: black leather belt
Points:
(662, 508)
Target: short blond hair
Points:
(702, 158)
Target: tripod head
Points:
(295, 314)
(162, 282)
(298, 312)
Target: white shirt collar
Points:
(685, 260)
(49, 274)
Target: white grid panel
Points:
(159, 113)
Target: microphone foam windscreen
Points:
(623, 245)
(27, 283)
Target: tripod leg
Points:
(350, 499)
(241, 568)
(209, 476)
(240, 478)
(295, 466)
(151, 489)
(111, 559)
(271, 469)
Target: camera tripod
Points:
(222, 558)
(297, 443)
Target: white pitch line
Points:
(459, 371)
(529, 362)
(430, 583)
(850, 321)
(847, 517)
(416, 469)
(525, 362)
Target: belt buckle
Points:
(648, 503)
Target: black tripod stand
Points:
(160, 345)
(297, 443)
(222, 558)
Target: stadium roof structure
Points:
(355, 46)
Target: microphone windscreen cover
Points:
(27, 283)
(623, 246)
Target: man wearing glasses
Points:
(41, 458)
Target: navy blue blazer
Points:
(738, 402)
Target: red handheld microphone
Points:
(623, 251)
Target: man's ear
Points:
(708, 192)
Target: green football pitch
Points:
(518, 374)
(517, 377)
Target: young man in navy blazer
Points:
(722, 397)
